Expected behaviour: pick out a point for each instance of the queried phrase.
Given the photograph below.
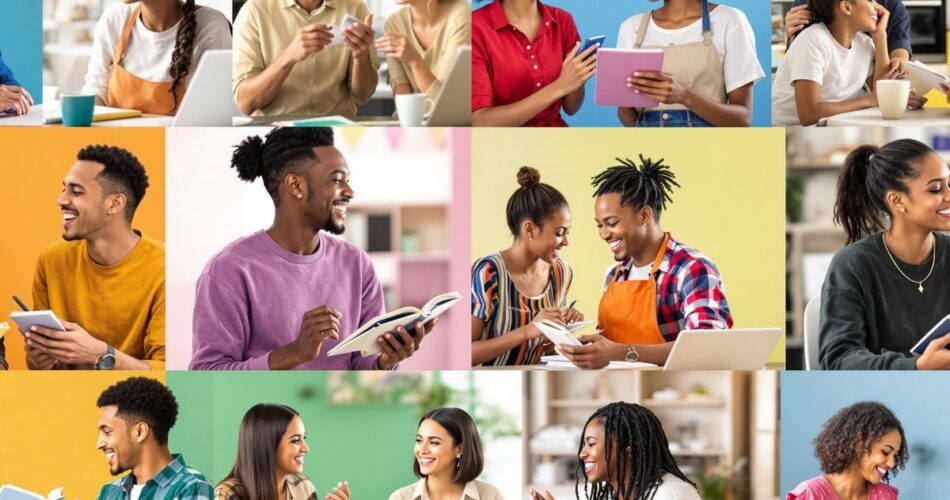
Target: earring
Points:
(903, 210)
(299, 196)
(458, 461)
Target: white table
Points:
(32, 119)
(871, 117)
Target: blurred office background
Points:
(814, 159)
(811, 398)
(723, 427)
(361, 427)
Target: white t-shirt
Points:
(816, 56)
(674, 488)
(731, 33)
(136, 491)
(148, 54)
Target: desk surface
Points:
(32, 119)
(777, 366)
(871, 117)
(366, 121)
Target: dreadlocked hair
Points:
(636, 450)
(184, 46)
(649, 184)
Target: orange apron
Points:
(627, 311)
(131, 92)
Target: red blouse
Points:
(507, 67)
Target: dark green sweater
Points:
(871, 315)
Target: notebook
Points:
(325, 121)
(939, 330)
(614, 66)
(52, 114)
(560, 334)
(923, 78)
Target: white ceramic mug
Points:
(892, 97)
(411, 109)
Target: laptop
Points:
(453, 107)
(208, 101)
(738, 349)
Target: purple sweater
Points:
(252, 296)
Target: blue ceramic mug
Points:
(77, 108)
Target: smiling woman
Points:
(860, 449)
(525, 283)
(259, 463)
(448, 459)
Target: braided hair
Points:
(281, 151)
(649, 184)
(869, 173)
(633, 437)
(184, 47)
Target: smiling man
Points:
(281, 297)
(658, 286)
(134, 420)
(105, 281)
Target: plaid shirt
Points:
(690, 294)
(176, 481)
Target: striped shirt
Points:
(690, 293)
(498, 303)
(176, 481)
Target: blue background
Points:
(918, 399)
(21, 43)
(603, 17)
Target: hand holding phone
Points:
(598, 40)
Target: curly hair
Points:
(281, 151)
(636, 441)
(122, 173)
(141, 399)
(851, 432)
(649, 184)
(184, 46)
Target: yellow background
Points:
(48, 430)
(731, 205)
(35, 160)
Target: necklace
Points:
(920, 284)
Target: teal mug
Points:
(77, 109)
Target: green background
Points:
(370, 445)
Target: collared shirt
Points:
(898, 26)
(176, 481)
(507, 67)
(474, 490)
(296, 487)
(317, 86)
(6, 74)
(690, 294)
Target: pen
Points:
(20, 303)
(572, 304)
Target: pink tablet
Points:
(614, 66)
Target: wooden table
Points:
(871, 117)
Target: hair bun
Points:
(248, 158)
(528, 177)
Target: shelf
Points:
(806, 228)
(684, 403)
(813, 166)
(585, 403)
(678, 453)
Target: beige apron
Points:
(695, 65)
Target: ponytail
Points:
(869, 173)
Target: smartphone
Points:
(591, 41)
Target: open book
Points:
(559, 362)
(939, 330)
(559, 334)
(923, 78)
(364, 338)
(10, 492)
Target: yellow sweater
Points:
(122, 304)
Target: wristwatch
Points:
(107, 361)
(632, 354)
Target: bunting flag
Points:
(394, 134)
(352, 135)
(439, 137)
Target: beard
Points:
(333, 227)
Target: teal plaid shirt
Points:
(177, 481)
